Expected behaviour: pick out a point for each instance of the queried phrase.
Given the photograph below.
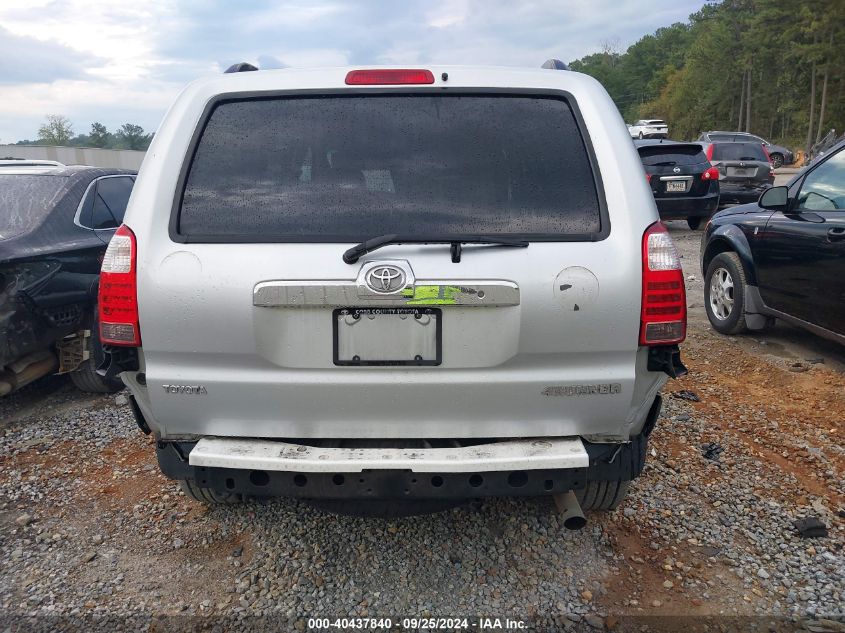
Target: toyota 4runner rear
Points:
(403, 285)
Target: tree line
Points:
(773, 68)
(58, 130)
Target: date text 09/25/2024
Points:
(416, 623)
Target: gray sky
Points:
(124, 61)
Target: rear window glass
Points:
(349, 168)
(663, 156)
(739, 151)
(25, 200)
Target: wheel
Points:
(724, 294)
(777, 160)
(207, 495)
(384, 508)
(602, 495)
(641, 136)
(86, 378)
(694, 223)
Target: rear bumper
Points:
(740, 194)
(515, 468)
(688, 207)
(526, 454)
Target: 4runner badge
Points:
(583, 390)
(185, 389)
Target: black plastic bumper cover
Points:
(608, 462)
(687, 207)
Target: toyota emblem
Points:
(386, 279)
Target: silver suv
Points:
(397, 285)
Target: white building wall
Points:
(119, 158)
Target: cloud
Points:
(266, 62)
(111, 60)
(25, 59)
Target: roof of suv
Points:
(744, 134)
(334, 78)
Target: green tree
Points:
(99, 136)
(131, 136)
(773, 68)
(57, 130)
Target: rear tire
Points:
(602, 495)
(207, 495)
(694, 223)
(724, 294)
(86, 378)
(385, 508)
(777, 160)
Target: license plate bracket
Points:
(742, 172)
(387, 336)
(676, 186)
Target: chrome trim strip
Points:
(339, 293)
(527, 454)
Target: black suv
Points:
(55, 224)
(781, 257)
(684, 183)
(744, 171)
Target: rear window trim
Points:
(263, 95)
(77, 218)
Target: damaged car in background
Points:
(55, 223)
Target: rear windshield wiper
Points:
(668, 163)
(353, 254)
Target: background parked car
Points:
(778, 155)
(824, 145)
(684, 183)
(744, 170)
(782, 257)
(55, 223)
(649, 128)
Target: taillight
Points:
(118, 295)
(710, 152)
(389, 76)
(663, 317)
(648, 178)
(710, 174)
(766, 152)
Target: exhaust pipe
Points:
(568, 506)
(25, 370)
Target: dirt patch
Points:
(792, 419)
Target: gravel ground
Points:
(88, 527)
